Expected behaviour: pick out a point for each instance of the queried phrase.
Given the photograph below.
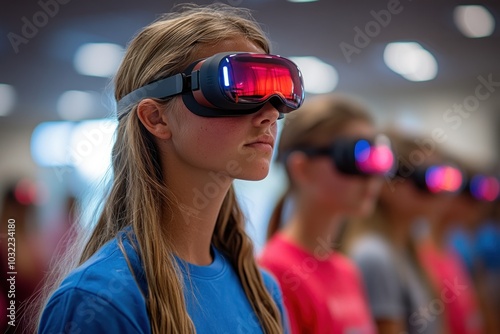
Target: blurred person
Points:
(464, 215)
(199, 95)
(24, 243)
(448, 273)
(487, 248)
(400, 293)
(322, 289)
(465, 223)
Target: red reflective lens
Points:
(373, 159)
(443, 179)
(254, 78)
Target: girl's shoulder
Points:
(104, 284)
(109, 270)
(270, 282)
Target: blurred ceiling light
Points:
(49, 144)
(474, 21)
(75, 105)
(90, 145)
(98, 59)
(86, 146)
(7, 99)
(319, 77)
(411, 61)
(408, 122)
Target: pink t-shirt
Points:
(456, 292)
(323, 291)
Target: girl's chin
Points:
(253, 176)
(255, 170)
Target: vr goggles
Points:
(484, 187)
(228, 84)
(358, 156)
(438, 179)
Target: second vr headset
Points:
(357, 156)
(228, 84)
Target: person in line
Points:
(463, 310)
(199, 97)
(322, 289)
(401, 294)
(464, 224)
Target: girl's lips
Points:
(261, 146)
(264, 142)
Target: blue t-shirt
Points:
(102, 296)
(488, 245)
(481, 247)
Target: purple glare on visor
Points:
(443, 179)
(485, 188)
(373, 159)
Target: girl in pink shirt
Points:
(322, 289)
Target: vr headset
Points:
(437, 179)
(358, 156)
(484, 187)
(228, 84)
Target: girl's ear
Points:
(298, 167)
(152, 116)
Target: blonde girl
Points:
(169, 253)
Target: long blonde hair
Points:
(138, 197)
(315, 124)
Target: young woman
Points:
(401, 295)
(322, 289)
(448, 272)
(169, 253)
(466, 223)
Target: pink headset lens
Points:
(485, 188)
(443, 179)
(373, 159)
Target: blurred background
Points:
(429, 67)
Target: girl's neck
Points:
(437, 235)
(398, 229)
(313, 229)
(199, 197)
